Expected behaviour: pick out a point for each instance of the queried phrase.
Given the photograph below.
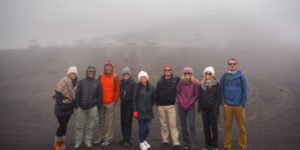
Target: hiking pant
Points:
(126, 120)
(63, 123)
(187, 117)
(167, 117)
(210, 127)
(144, 129)
(106, 114)
(83, 115)
(239, 113)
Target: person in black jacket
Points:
(165, 100)
(126, 96)
(209, 102)
(65, 95)
(89, 99)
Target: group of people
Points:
(94, 100)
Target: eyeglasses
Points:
(167, 70)
(208, 73)
(187, 73)
(231, 64)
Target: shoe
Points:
(176, 147)
(122, 142)
(147, 144)
(214, 148)
(88, 146)
(62, 145)
(164, 145)
(243, 148)
(185, 147)
(227, 148)
(99, 141)
(76, 147)
(205, 148)
(126, 144)
(105, 143)
(143, 146)
(56, 146)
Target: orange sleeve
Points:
(117, 90)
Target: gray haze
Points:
(70, 20)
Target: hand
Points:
(66, 101)
(225, 105)
(135, 115)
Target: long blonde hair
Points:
(210, 83)
(192, 80)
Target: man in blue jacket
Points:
(234, 89)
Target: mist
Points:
(214, 20)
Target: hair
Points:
(192, 80)
(210, 83)
(232, 59)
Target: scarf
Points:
(65, 87)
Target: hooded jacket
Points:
(166, 91)
(210, 98)
(89, 91)
(127, 90)
(235, 89)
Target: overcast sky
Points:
(68, 20)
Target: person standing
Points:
(165, 101)
(209, 103)
(65, 96)
(126, 96)
(234, 89)
(144, 99)
(187, 94)
(88, 100)
(110, 83)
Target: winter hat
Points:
(72, 69)
(143, 74)
(168, 66)
(126, 70)
(188, 69)
(109, 63)
(210, 69)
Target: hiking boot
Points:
(176, 147)
(164, 145)
(147, 144)
(99, 141)
(56, 146)
(126, 144)
(62, 145)
(143, 146)
(105, 143)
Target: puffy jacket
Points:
(89, 92)
(166, 91)
(127, 90)
(111, 87)
(143, 101)
(234, 89)
(210, 97)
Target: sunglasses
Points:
(208, 73)
(231, 64)
(167, 70)
(125, 74)
(187, 73)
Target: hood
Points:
(236, 75)
(90, 68)
(126, 70)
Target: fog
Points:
(70, 20)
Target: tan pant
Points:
(239, 113)
(167, 115)
(106, 119)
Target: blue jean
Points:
(144, 129)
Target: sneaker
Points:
(243, 148)
(176, 147)
(143, 146)
(56, 146)
(147, 144)
(227, 148)
(205, 148)
(105, 143)
(98, 141)
(185, 147)
(126, 144)
(164, 145)
(76, 147)
(88, 145)
(215, 148)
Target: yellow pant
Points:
(239, 113)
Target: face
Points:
(108, 69)
(143, 79)
(208, 75)
(126, 76)
(168, 71)
(72, 76)
(187, 75)
(91, 74)
(232, 65)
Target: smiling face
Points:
(143, 80)
(168, 71)
(208, 75)
(187, 75)
(232, 65)
(72, 76)
(126, 76)
(91, 74)
(108, 69)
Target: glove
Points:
(135, 115)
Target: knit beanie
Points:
(72, 69)
(109, 63)
(210, 69)
(143, 74)
(168, 66)
(126, 70)
(188, 69)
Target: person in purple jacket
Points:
(187, 94)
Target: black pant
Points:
(63, 123)
(126, 120)
(210, 123)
